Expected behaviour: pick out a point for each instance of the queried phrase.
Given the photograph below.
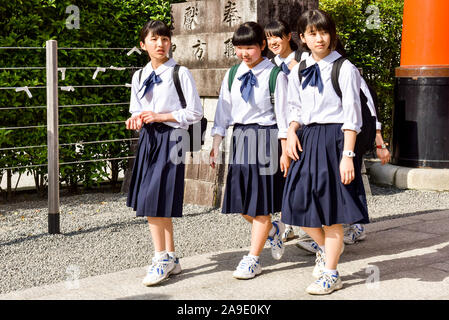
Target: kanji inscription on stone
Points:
(198, 49)
(230, 13)
(229, 51)
(190, 17)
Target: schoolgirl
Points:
(286, 51)
(254, 182)
(281, 44)
(157, 185)
(355, 232)
(324, 187)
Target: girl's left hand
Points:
(383, 155)
(285, 163)
(347, 173)
(150, 116)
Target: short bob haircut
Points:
(318, 20)
(248, 34)
(155, 27)
(280, 28)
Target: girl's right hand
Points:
(293, 144)
(213, 157)
(214, 153)
(134, 123)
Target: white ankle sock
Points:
(158, 254)
(255, 257)
(172, 254)
(331, 271)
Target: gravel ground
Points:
(99, 234)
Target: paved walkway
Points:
(404, 258)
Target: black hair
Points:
(156, 27)
(250, 33)
(319, 20)
(280, 28)
(340, 48)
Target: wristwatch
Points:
(382, 146)
(349, 153)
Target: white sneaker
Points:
(309, 246)
(288, 234)
(159, 270)
(303, 236)
(319, 264)
(356, 232)
(326, 284)
(277, 245)
(248, 268)
(177, 269)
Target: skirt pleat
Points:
(157, 182)
(313, 194)
(254, 183)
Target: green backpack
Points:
(272, 84)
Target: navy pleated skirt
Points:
(313, 193)
(157, 182)
(254, 183)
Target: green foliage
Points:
(375, 50)
(102, 24)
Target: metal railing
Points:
(53, 125)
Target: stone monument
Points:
(201, 41)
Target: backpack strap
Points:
(302, 66)
(273, 61)
(272, 83)
(336, 73)
(298, 54)
(177, 84)
(232, 73)
(140, 75)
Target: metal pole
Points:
(52, 136)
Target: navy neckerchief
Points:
(150, 82)
(312, 76)
(285, 68)
(249, 80)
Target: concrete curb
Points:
(409, 178)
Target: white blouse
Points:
(163, 98)
(231, 108)
(308, 105)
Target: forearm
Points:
(166, 117)
(350, 137)
(379, 139)
(283, 145)
(216, 141)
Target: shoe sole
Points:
(149, 284)
(338, 287)
(246, 278)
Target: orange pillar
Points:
(425, 33)
(421, 110)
